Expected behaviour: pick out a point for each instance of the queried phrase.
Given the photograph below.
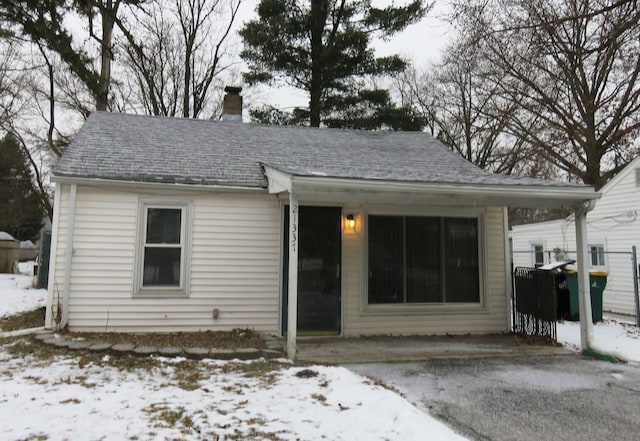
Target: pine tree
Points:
(324, 48)
(21, 212)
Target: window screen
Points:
(414, 259)
(162, 247)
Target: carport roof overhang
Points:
(489, 195)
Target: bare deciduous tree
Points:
(179, 50)
(572, 69)
(464, 112)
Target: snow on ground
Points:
(66, 398)
(612, 336)
(16, 294)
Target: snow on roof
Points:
(121, 147)
(6, 236)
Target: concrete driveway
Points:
(552, 397)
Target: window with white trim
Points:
(538, 254)
(423, 260)
(596, 255)
(163, 246)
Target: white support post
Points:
(292, 311)
(584, 288)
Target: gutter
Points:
(159, 185)
(586, 322)
(569, 193)
(508, 268)
(68, 258)
(21, 332)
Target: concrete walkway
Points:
(340, 350)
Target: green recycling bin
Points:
(597, 283)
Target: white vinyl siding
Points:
(614, 223)
(440, 319)
(235, 268)
(234, 263)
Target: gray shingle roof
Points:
(117, 146)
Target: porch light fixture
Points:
(350, 223)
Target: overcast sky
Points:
(422, 43)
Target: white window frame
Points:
(597, 245)
(534, 263)
(182, 290)
(382, 309)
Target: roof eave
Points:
(539, 196)
(102, 182)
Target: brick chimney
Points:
(232, 104)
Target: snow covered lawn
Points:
(95, 397)
(16, 294)
(613, 336)
(91, 397)
(69, 397)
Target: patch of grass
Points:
(70, 401)
(382, 384)
(306, 373)
(127, 362)
(36, 437)
(232, 389)
(320, 397)
(188, 375)
(23, 320)
(36, 379)
(237, 338)
(253, 434)
(24, 346)
(254, 369)
(167, 417)
(28, 346)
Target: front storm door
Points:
(319, 261)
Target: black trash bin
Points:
(561, 286)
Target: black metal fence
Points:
(621, 293)
(534, 302)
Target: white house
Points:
(168, 224)
(613, 228)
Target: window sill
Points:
(423, 309)
(160, 294)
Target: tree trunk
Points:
(107, 12)
(186, 93)
(318, 19)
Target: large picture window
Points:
(163, 246)
(413, 259)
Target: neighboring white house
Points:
(613, 228)
(169, 224)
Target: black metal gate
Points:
(534, 302)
